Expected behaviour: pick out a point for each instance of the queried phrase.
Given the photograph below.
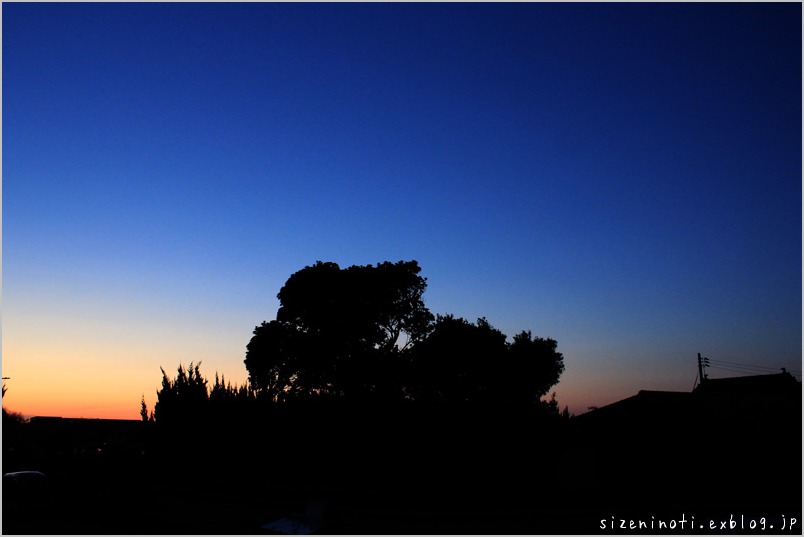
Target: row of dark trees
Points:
(365, 332)
(363, 336)
(190, 402)
(356, 385)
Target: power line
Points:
(746, 366)
(742, 368)
(736, 367)
(745, 372)
(724, 368)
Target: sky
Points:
(624, 178)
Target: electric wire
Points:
(747, 366)
(745, 369)
(756, 371)
(742, 372)
(742, 366)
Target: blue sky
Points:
(624, 178)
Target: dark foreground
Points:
(428, 476)
(111, 503)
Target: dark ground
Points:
(464, 478)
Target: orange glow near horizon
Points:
(87, 371)
(101, 362)
(85, 382)
(39, 388)
(74, 396)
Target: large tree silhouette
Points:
(466, 365)
(339, 332)
(533, 366)
(364, 331)
(457, 365)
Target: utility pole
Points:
(702, 363)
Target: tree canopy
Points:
(365, 331)
(333, 325)
(464, 364)
(356, 379)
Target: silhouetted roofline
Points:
(749, 384)
(642, 397)
(745, 385)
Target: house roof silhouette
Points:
(750, 385)
(747, 398)
(730, 443)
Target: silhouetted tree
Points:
(462, 364)
(182, 400)
(11, 418)
(435, 387)
(188, 398)
(552, 405)
(458, 363)
(143, 410)
(534, 366)
(223, 391)
(339, 332)
(365, 330)
(231, 404)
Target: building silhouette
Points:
(730, 445)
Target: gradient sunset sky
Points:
(624, 178)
